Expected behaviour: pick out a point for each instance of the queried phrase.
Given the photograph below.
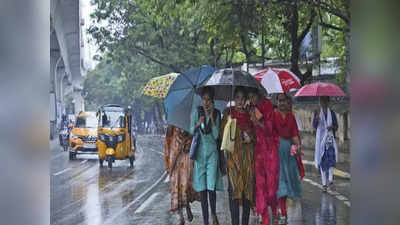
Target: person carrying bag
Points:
(238, 144)
(207, 178)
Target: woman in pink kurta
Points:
(266, 156)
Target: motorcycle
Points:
(64, 138)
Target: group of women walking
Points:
(263, 168)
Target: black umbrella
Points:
(224, 81)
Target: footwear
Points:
(283, 220)
(215, 220)
(189, 214)
(324, 188)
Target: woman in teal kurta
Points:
(206, 175)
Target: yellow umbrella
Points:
(158, 86)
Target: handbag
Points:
(221, 159)
(194, 146)
(196, 137)
(228, 138)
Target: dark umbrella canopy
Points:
(224, 81)
(182, 98)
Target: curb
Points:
(336, 172)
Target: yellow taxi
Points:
(83, 136)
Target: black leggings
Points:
(234, 207)
(204, 204)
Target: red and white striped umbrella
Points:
(278, 80)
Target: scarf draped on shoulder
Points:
(242, 120)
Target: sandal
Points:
(324, 188)
(283, 220)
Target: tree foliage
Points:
(146, 38)
(102, 86)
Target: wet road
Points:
(83, 193)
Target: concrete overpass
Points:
(67, 64)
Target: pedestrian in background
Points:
(326, 152)
(207, 178)
(241, 180)
(180, 170)
(266, 155)
(289, 146)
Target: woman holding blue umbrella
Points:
(206, 175)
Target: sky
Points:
(90, 48)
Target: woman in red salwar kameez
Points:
(266, 156)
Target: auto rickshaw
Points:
(114, 140)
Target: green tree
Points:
(147, 38)
(334, 17)
(143, 28)
(121, 83)
(102, 86)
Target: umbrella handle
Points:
(233, 85)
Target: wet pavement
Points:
(83, 193)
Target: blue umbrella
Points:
(182, 99)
